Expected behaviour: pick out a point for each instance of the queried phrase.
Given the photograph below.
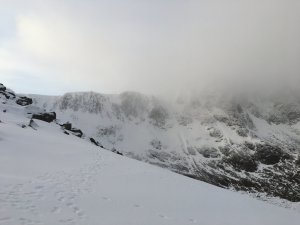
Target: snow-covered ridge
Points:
(248, 144)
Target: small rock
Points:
(94, 141)
(33, 124)
(117, 152)
(77, 132)
(2, 87)
(7, 96)
(67, 126)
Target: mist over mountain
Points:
(149, 47)
(247, 142)
(206, 91)
(55, 171)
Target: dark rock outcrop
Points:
(94, 141)
(23, 101)
(242, 161)
(280, 180)
(2, 87)
(47, 117)
(158, 116)
(268, 154)
(116, 151)
(77, 132)
(33, 124)
(67, 126)
(7, 94)
(4, 94)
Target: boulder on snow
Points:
(2, 87)
(116, 151)
(12, 94)
(77, 132)
(23, 101)
(67, 126)
(47, 117)
(94, 141)
(6, 95)
(32, 124)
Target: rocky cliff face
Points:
(247, 143)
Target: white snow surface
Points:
(47, 177)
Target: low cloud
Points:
(151, 46)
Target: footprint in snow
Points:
(66, 220)
(106, 198)
(55, 209)
(25, 221)
(39, 187)
(69, 204)
(61, 199)
(163, 216)
(193, 220)
(78, 211)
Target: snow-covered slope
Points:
(48, 177)
(249, 143)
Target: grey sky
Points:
(154, 46)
